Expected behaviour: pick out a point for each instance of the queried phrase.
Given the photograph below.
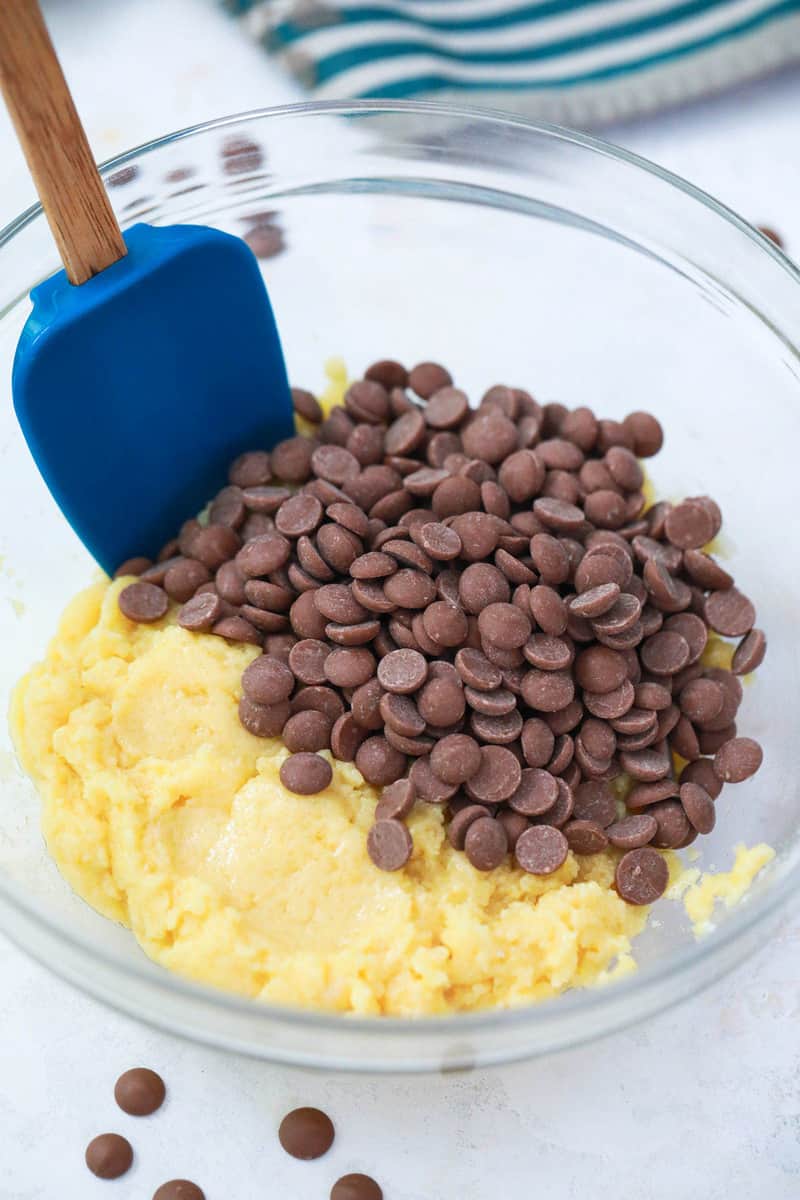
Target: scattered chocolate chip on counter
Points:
(306, 1133)
(772, 234)
(179, 1189)
(109, 1156)
(241, 155)
(140, 1092)
(125, 175)
(478, 609)
(266, 240)
(356, 1187)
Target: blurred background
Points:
(708, 88)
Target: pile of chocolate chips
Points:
(475, 608)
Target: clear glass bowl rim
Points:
(612, 998)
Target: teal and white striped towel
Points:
(576, 61)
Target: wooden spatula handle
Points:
(54, 142)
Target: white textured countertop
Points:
(701, 1101)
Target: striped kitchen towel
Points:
(575, 61)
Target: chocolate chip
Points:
(703, 570)
(460, 821)
(402, 715)
(201, 612)
(498, 731)
(476, 671)
(306, 1133)
(668, 593)
(538, 742)
(179, 1189)
(445, 625)
(456, 758)
(397, 800)
(645, 432)
(480, 585)
(536, 794)
(749, 653)
(633, 831)
(738, 759)
(497, 703)
(646, 765)
(694, 631)
(702, 700)
(356, 1187)
(672, 824)
(595, 802)
(548, 691)
(184, 578)
(389, 844)
(349, 516)
(559, 515)
(252, 469)
(307, 731)
(479, 534)
(349, 667)
(498, 777)
(772, 235)
(610, 705)
(489, 436)
(689, 525)
(307, 406)
(504, 626)
(598, 738)
(585, 836)
(485, 843)
(409, 589)
(299, 514)
(263, 555)
(306, 774)
(665, 653)
(307, 660)
(139, 1092)
(263, 720)
(446, 408)
(541, 850)
(321, 699)
(441, 701)
(729, 612)
(641, 876)
(267, 680)
(109, 1156)
(597, 601)
(698, 806)
(133, 566)
(402, 671)
(379, 762)
(428, 377)
(600, 669)
(346, 737)
(549, 610)
(143, 602)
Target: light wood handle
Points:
(54, 143)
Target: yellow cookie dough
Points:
(727, 887)
(164, 813)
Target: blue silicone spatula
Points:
(153, 358)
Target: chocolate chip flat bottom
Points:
(477, 608)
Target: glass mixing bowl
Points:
(513, 253)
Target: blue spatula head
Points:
(136, 389)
